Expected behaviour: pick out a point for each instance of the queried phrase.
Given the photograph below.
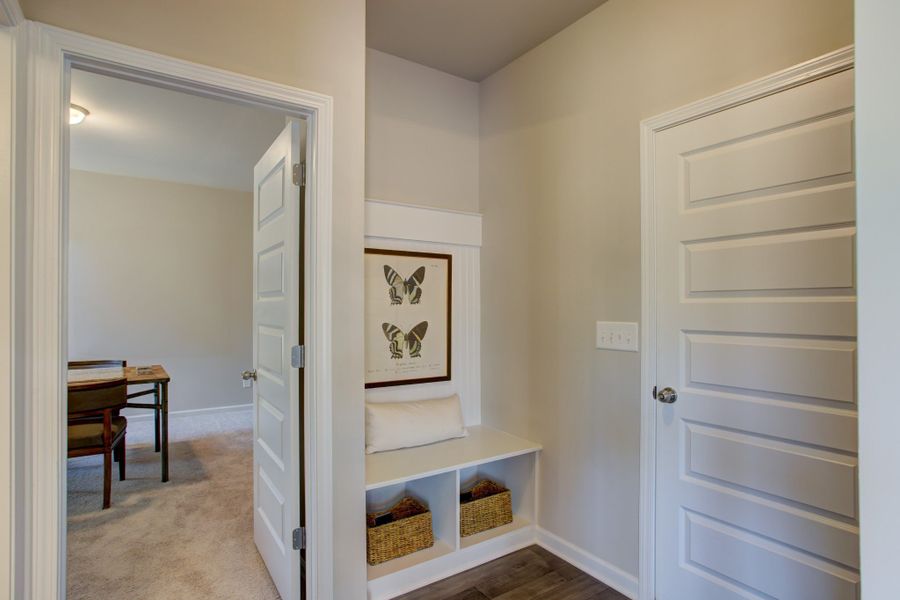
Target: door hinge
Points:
(300, 538)
(298, 357)
(299, 174)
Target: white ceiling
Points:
(144, 131)
(468, 38)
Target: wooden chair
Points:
(156, 407)
(95, 426)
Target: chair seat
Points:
(88, 433)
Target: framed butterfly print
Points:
(407, 321)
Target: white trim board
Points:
(422, 224)
(47, 53)
(11, 13)
(614, 577)
(148, 414)
(7, 318)
(817, 68)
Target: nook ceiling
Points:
(467, 38)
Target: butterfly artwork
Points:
(400, 287)
(399, 338)
(408, 321)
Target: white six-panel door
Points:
(756, 308)
(276, 393)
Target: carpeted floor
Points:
(190, 538)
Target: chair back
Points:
(98, 396)
(97, 364)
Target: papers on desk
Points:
(76, 375)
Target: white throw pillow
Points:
(392, 425)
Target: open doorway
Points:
(185, 268)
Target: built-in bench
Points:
(435, 474)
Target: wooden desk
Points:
(159, 380)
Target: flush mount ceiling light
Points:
(77, 114)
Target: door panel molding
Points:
(46, 56)
(818, 68)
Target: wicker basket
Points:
(408, 531)
(486, 506)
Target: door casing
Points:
(45, 58)
(817, 68)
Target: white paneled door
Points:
(756, 313)
(277, 391)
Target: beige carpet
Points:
(190, 538)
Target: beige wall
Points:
(560, 193)
(184, 302)
(6, 61)
(421, 135)
(878, 213)
(314, 45)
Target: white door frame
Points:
(46, 56)
(817, 68)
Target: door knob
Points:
(667, 395)
(248, 375)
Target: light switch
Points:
(614, 335)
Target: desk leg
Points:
(156, 415)
(164, 430)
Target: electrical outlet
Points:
(613, 335)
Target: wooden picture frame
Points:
(408, 324)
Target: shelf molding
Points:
(483, 445)
(447, 565)
(440, 549)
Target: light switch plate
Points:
(614, 335)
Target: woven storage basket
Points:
(410, 531)
(490, 506)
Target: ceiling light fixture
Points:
(77, 114)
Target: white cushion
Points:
(392, 425)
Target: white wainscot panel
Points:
(729, 555)
(811, 476)
(270, 195)
(805, 261)
(270, 350)
(270, 431)
(769, 160)
(270, 272)
(457, 239)
(270, 506)
(807, 367)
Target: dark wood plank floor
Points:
(529, 573)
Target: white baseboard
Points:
(612, 576)
(194, 411)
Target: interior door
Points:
(277, 393)
(756, 308)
